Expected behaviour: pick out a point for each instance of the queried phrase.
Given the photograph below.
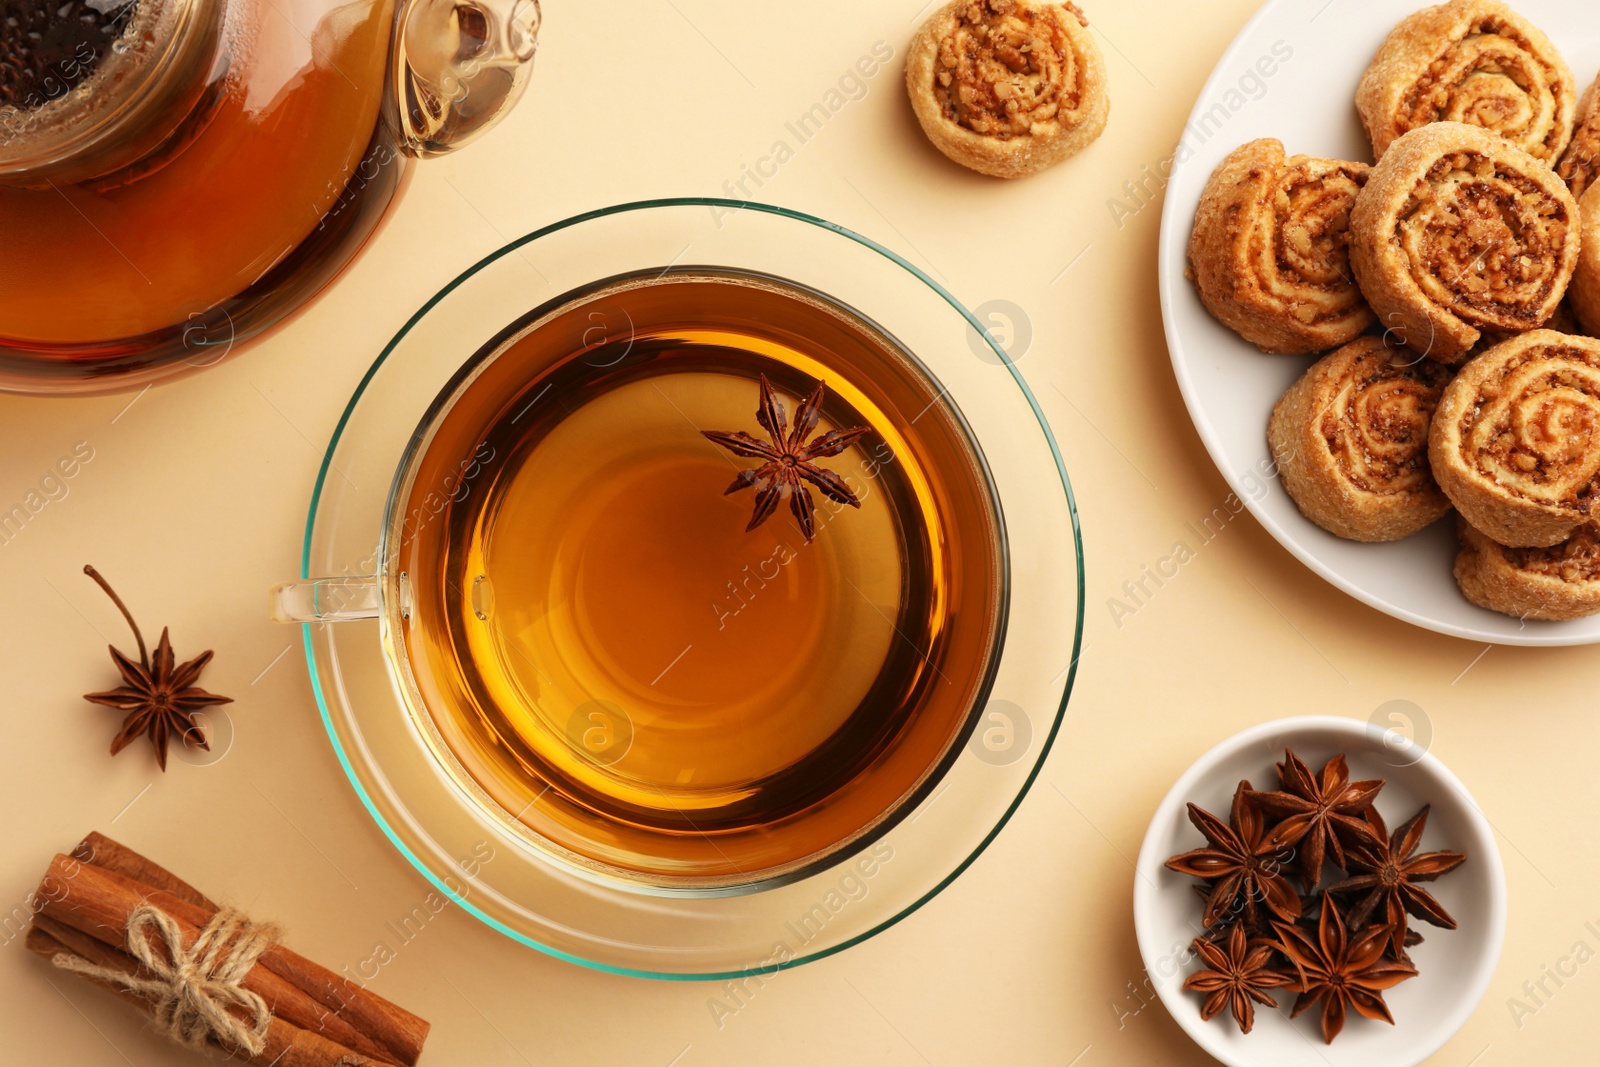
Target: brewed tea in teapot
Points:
(178, 176)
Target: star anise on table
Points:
(1341, 970)
(1244, 862)
(1388, 873)
(1236, 976)
(789, 459)
(158, 693)
(1316, 810)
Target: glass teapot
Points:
(178, 176)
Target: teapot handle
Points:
(459, 66)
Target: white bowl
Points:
(1454, 965)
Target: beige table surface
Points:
(195, 498)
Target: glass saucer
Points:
(495, 875)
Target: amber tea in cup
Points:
(601, 652)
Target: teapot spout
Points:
(459, 66)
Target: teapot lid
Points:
(89, 86)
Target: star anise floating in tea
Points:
(157, 693)
(1338, 945)
(789, 459)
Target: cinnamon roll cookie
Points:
(1580, 163)
(1515, 443)
(1351, 442)
(1473, 61)
(1007, 87)
(1561, 582)
(1458, 232)
(1585, 294)
(1270, 252)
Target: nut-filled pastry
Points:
(1007, 87)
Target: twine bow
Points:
(191, 990)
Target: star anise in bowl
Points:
(1337, 944)
(1244, 863)
(1319, 812)
(1341, 969)
(1386, 880)
(1237, 976)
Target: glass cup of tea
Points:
(652, 653)
(692, 588)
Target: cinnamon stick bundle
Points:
(86, 901)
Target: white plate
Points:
(1316, 51)
(1454, 966)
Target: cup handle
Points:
(327, 600)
